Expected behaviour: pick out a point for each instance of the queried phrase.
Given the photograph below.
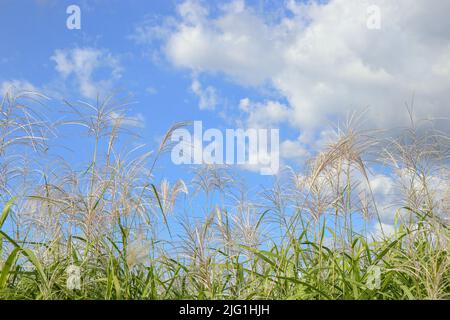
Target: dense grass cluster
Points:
(114, 229)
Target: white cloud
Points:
(237, 43)
(17, 86)
(395, 191)
(192, 11)
(386, 194)
(244, 104)
(83, 63)
(382, 230)
(148, 32)
(207, 96)
(293, 150)
(322, 57)
(264, 115)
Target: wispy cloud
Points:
(208, 97)
(17, 86)
(83, 63)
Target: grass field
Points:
(114, 229)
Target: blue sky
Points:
(290, 65)
(162, 92)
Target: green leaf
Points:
(5, 212)
(9, 263)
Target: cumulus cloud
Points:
(293, 150)
(269, 115)
(405, 188)
(237, 43)
(323, 59)
(82, 64)
(264, 115)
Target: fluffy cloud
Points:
(325, 62)
(323, 58)
(238, 43)
(270, 115)
(293, 150)
(82, 64)
(264, 115)
(407, 188)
